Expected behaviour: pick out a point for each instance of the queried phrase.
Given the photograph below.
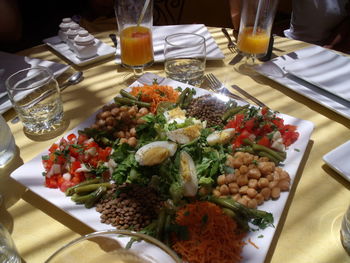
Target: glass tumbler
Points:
(135, 32)
(185, 57)
(7, 143)
(345, 230)
(36, 97)
(8, 251)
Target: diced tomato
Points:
(47, 164)
(91, 144)
(264, 141)
(66, 184)
(278, 122)
(103, 154)
(94, 161)
(243, 135)
(74, 166)
(82, 138)
(74, 152)
(60, 159)
(236, 122)
(71, 137)
(77, 178)
(290, 137)
(249, 125)
(53, 148)
(51, 182)
(264, 110)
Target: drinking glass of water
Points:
(36, 97)
(185, 56)
(8, 251)
(7, 143)
(345, 230)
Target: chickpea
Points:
(243, 169)
(127, 134)
(263, 182)
(259, 198)
(237, 173)
(132, 141)
(243, 201)
(105, 114)
(252, 203)
(248, 158)
(253, 183)
(266, 167)
(229, 160)
(123, 140)
(251, 192)
(120, 134)
(242, 180)
(110, 121)
(275, 192)
(273, 184)
(216, 193)
(140, 121)
(237, 162)
(133, 131)
(266, 192)
(243, 190)
(115, 111)
(233, 188)
(230, 178)
(221, 179)
(101, 122)
(124, 108)
(276, 176)
(236, 197)
(143, 111)
(254, 173)
(246, 197)
(110, 128)
(132, 110)
(224, 190)
(269, 177)
(284, 185)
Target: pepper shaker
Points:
(71, 34)
(85, 45)
(64, 27)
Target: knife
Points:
(248, 96)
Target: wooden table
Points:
(309, 228)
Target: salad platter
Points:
(40, 174)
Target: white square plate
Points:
(103, 51)
(325, 69)
(160, 32)
(339, 160)
(30, 175)
(275, 70)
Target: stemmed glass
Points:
(135, 19)
(255, 29)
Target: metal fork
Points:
(216, 86)
(231, 45)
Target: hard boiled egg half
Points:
(155, 152)
(188, 174)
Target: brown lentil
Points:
(135, 207)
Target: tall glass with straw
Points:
(135, 19)
(255, 29)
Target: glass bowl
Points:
(110, 246)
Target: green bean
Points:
(275, 154)
(127, 101)
(95, 196)
(126, 94)
(90, 188)
(246, 148)
(188, 98)
(248, 142)
(71, 190)
(167, 225)
(160, 225)
(271, 158)
(243, 223)
(181, 98)
(230, 112)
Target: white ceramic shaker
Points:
(64, 27)
(85, 45)
(71, 34)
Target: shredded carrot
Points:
(253, 244)
(155, 94)
(213, 236)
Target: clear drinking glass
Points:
(135, 33)
(255, 29)
(185, 56)
(7, 143)
(36, 97)
(110, 246)
(8, 251)
(345, 230)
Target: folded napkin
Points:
(159, 34)
(10, 63)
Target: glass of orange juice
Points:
(255, 29)
(135, 33)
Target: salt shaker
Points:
(85, 45)
(71, 34)
(64, 27)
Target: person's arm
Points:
(340, 40)
(235, 10)
(10, 21)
